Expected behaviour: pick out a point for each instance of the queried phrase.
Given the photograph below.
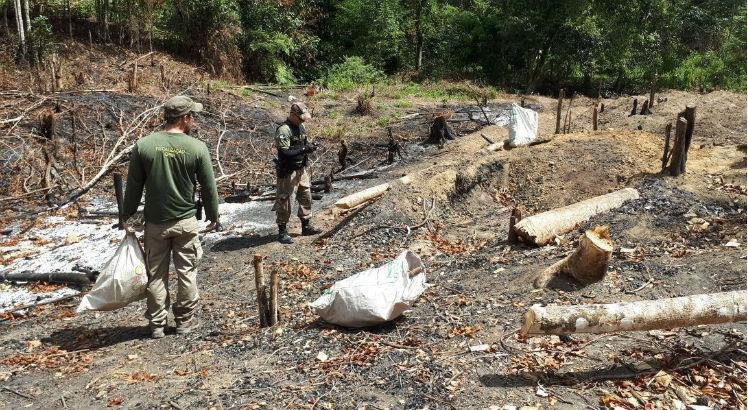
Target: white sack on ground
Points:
(122, 281)
(373, 296)
(523, 126)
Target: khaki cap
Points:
(181, 105)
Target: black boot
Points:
(307, 229)
(283, 236)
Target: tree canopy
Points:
(528, 46)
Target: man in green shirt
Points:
(169, 164)
(293, 172)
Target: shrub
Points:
(351, 73)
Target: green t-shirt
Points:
(169, 165)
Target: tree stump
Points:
(633, 109)
(594, 118)
(678, 156)
(587, 264)
(262, 296)
(513, 220)
(645, 108)
(665, 153)
(343, 154)
(440, 131)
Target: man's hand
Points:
(213, 226)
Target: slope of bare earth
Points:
(454, 215)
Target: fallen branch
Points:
(671, 313)
(543, 228)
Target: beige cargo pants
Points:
(301, 182)
(177, 240)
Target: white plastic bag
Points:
(122, 281)
(373, 296)
(523, 126)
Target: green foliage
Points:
(619, 46)
(351, 73)
(41, 38)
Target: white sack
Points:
(123, 279)
(373, 296)
(523, 126)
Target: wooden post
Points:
(120, 196)
(633, 110)
(273, 316)
(665, 153)
(262, 302)
(594, 118)
(679, 148)
(558, 110)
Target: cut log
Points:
(262, 299)
(705, 309)
(368, 194)
(587, 264)
(543, 228)
(72, 278)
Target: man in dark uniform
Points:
(293, 172)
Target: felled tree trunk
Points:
(671, 313)
(587, 264)
(543, 228)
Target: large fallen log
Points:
(368, 194)
(587, 264)
(671, 313)
(543, 228)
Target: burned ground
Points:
(454, 215)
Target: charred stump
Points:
(440, 131)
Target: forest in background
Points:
(589, 46)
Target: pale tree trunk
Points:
(419, 34)
(5, 19)
(21, 29)
(26, 17)
(706, 309)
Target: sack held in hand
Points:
(123, 280)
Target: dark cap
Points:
(180, 105)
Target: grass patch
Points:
(403, 103)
